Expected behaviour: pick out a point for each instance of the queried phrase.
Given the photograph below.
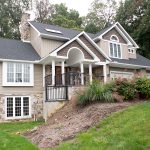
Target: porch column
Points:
(90, 72)
(43, 75)
(53, 72)
(82, 73)
(105, 73)
(62, 72)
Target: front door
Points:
(58, 78)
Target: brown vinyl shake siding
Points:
(114, 32)
(26, 91)
(64, 51)
(92, 48)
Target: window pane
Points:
(26, 72)
(115, 50)
(10, 107)
(18, 106)
(10, 72)
(25, 106)
(119, 52)
(18, 72)
(111, 50)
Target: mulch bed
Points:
(69, 121)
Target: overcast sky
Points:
(80, 5)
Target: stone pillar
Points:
(82, 73)
(53, 72)
(62, 72)
(90, 72)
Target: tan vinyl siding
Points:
(35, 40)
(48, 46)
(104, 45)
(36, 89)
(130, 55)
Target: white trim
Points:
(54, 53)
(4, 76)
(123, 34)
(43, 75)
(117, 49)
(112, 41)
(34, 27)
(43, 35)
(97, 47)
(23, 61)
(17, 117)
(88, 50)
(127, 34)
(115, 37)
(132, 65)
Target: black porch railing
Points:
(56, 93)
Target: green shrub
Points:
(126, 88)
(143, 87)
(95, 92)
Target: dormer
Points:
(116, 42)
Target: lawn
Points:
(9, 140)
(125, 130)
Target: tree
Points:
(91, 28)
(101, 14)
(59, 14)
(10, 17)
(134, 16)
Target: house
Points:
(40, 71)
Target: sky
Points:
(80, 5)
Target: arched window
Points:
(114, 38)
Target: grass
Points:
(9, 140)
(125, 130)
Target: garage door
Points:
(118, 74)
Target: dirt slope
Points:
(68, 121)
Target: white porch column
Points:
(53, 72)
(62, 72)
(90, 72)
(82, 73)
(43, 75)
(105, 73)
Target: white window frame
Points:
(121, 72)
(5, 83)
(130, 51)
(17, 117)
(117, 50)
(115, 37)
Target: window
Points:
(115, 50)
(131, 51)
(114, 38)
(17, 74)
(17, 107)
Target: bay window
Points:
(115, 50)
(17, 107)
(17, 74)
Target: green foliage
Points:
(91, 28)
(126, 88)
(101, 14)
(10, 140)
(10, 17)
(134, 16)
(95, 92)
(143, 87)
(125, 130)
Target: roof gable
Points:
(120, 30)
(77, 38)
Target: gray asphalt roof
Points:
(65, 32)
(140, 60)
(17, 50)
